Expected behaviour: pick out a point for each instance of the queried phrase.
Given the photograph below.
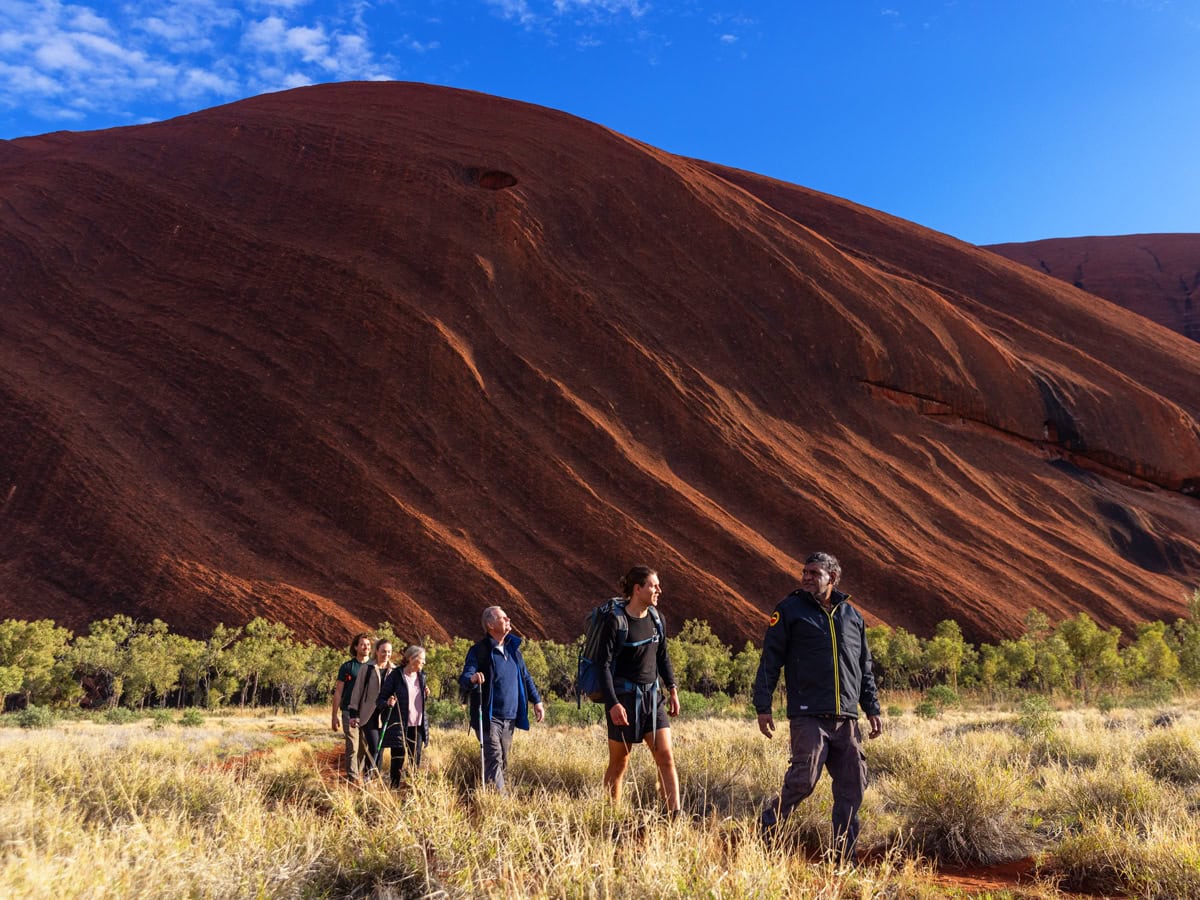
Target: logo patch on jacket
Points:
(774, 618)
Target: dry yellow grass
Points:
(242, 808)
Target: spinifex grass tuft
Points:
(959, 806)
(1171, 754)
(1161, 860)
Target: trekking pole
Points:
(379, 748)
(482, 763)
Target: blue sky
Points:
(1008, 120)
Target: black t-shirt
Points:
(639, 663)
(642, 664)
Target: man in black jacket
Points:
(820, 641)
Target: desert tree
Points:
(35, 651)
(190, 654)
(103, 655)
(290, 670)
(1185, 641)
(218, 664)
(325, 664)
(947, 651)
(743, 669)
(10, 680)
(897, 654)
(1094, 652)
(562, 662)
(701, 662)
(260, 641)
(443, 663)
(152, 667)
(1150, 658)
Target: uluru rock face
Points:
(1155, 275)
(368, 352)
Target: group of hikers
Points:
(814, 636)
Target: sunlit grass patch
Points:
(1126, 796)
(1108, 858)
(1172, 754)
(957, 805)
(249, 807)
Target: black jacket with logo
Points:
(804, 639)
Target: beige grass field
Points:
(251, 807)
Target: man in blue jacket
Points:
(820, 641)
(496, 666)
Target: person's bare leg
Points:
(668, 778)
(618, 761)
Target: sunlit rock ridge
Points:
(366, 352)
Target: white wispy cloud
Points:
(128, 60)
(63, 61)
(548, 12)
(613, 7)
(419, 46)
(515, 10)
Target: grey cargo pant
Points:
(497, 742)
(835, 744)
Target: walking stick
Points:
(379, 749)
(482, 763)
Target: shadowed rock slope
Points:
(361, 352)
(1155, 275)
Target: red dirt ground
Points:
(365, 352)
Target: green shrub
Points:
(894, 711)
(694, 705)
(191, 718)
(120, 715)
(446, 713)
(568, 712)
(927, 709)
(1154, 693)
(1037, 717)
(160, 718)
(943, 695)
(35, 717)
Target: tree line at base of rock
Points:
(120, 661)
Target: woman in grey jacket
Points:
(363, 713)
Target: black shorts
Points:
(652, 720)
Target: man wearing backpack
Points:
(496, 667)
(821, 641)
(357, 752)
(632, 659)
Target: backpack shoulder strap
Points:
(658, 623)
(616, 608)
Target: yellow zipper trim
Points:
(837, 682)
(837, 686)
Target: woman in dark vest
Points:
(402, 705)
